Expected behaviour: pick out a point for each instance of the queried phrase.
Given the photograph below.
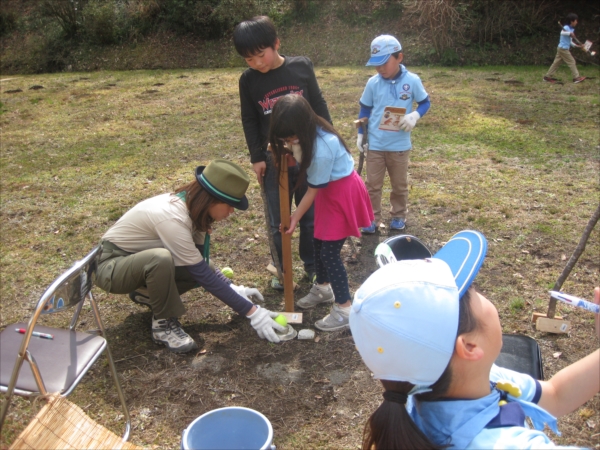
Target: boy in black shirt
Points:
(269, 77)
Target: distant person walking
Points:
(563, 53)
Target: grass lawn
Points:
(500, 151)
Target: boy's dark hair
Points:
(254, 35)
(396, 54)
(390, 427)
(570, 18)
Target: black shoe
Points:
(140, 299)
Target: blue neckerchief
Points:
(393, 82)
(458, 422)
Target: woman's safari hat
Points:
(226, 181)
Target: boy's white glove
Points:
(359, 141)
(248, 293)
(262, 321)
(409, 121)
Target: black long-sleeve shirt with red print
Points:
(260, 91)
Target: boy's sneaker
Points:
(311, 275)
(141, 298)
(370, 229)
(317, 295)
(397, 224)
(578, 80)
(170, 333)
(337, 319)
(550, 79)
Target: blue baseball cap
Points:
(404, 318)
(381, 49)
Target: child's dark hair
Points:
(390, 427)
(569, 18)
(198, 200)
(293, 116)
(254, 35)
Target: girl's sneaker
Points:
(578, 80)
(316, 296)
(337, 319)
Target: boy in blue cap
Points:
(387, 96)
(432, 340)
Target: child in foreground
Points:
(567, 39)
(389, 145)
(340, 197)
(432, 341)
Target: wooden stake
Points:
(286, 239)
(573, 260)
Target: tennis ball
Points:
(228, 272)
(281, 320)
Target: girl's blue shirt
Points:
(330, 162)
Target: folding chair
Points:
(519, 352)
(56, 364)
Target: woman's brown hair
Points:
(390, 427)
(198, 200)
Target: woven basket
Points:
(61, 424)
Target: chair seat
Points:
(63, 425)
(521, 354)
(72, 349)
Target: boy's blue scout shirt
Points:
(399, 92)
(482, 423)
(565, 41)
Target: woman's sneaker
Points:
(170, 333)
(337, 319)
(140, 298)
(317, 295)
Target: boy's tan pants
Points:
(396, 164)
(563, 55)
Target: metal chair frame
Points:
(70, 289)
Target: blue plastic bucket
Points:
(229, 428)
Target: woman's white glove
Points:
(359, 141)
(409, 121)
(248, 293)
(262, 321)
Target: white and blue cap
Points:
(381, 49)
(404, 318)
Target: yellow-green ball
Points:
(281, 320)
(228, 272)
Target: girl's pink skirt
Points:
(342, 208)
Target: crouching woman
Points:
(156, 251)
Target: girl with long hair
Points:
(342, 204)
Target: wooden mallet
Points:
(286, 243)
